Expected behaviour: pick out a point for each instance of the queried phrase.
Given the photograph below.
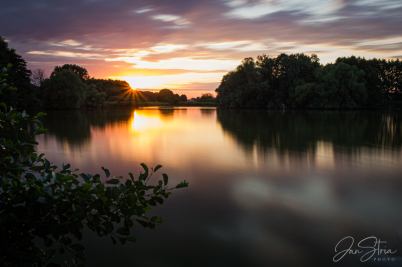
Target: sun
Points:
(140, 82)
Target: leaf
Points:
(157, 168)
(108, 226)
(159, 200)
(113, 181)
(86, 177)
(113, 192)
(40, 114)
(81, 256)
(182, 185)
(113, 240)
(49, 253)
(40, 131)
(123, 231)
(78, 215)
(145, 167)
(147, 208)
(112, 208)
(165, 178)
(3, 105)
(131, 199)
(47, 164)
(131, 239)
(131, 176)
(143, 223)
(122, 240)
(107, 172)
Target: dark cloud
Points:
(103, 26)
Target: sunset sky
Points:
(188, 46)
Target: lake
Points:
(266, 188)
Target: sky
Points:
(187, 46)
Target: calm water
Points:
(266, 188)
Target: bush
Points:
(64, 90)
(38, 201)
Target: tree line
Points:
(300, 81)
(69, 87)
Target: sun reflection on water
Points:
(142, 122)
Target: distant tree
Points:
(207, 97)
(80, 71)
(38, 77)
(94, 96)
(19, 77)
(183, 98)
(163, 94)
(373, 79)
(64, 90)
(337, 86)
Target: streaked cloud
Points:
(245, 10)
(180, 63)
(173, 38)
(67, 43)
(177, 20)
(143, 10)
(172, 81)
(66, 54)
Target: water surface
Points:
(267, 188)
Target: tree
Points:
(39, 202)
(183, 98)
(94, 96)
(38, 77)
(372, 79)
(18, 76)
(207, 97)
(80, 71)
(163, 94)
(64, 90)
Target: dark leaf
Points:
(81, 256)
(165, 178)
(131, 239)
(49, 253)
(145, 167)
(107, 172)
(123, 231)
(157, 168)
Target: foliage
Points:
(112, 88)
(149, 96)
(80, 71)
(300, 81)
(18, 76)
(38, 201)
(94, 96)
(183, 98)
(336, 86)
(207, 97)
(163, 94)
(64, 90)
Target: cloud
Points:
(198, 36)
(184, 80)
(66, 54)
(178, 20)
(143, 10)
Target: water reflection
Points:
(266, 188)
(145, 122)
